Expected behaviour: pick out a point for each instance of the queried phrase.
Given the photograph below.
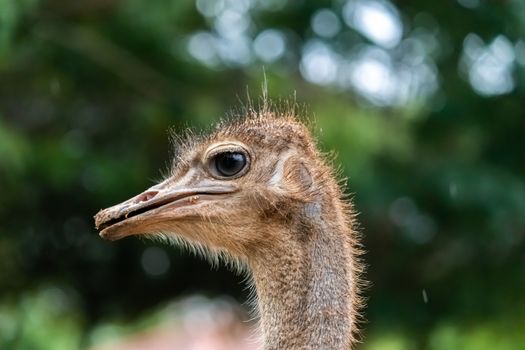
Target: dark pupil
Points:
(230, 163)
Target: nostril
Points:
(146, 196)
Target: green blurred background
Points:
(422, 101)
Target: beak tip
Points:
(101, 217)
(104, 235)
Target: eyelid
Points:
(225, 147)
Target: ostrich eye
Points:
(229, 164)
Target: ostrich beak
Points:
(153, 210)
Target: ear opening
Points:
(297, 177)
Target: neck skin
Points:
(305, 288)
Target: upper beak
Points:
(153, 209)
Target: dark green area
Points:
(88, 90)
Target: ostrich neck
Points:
(305, 289)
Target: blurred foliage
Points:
(422, 102)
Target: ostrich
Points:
(257, 193)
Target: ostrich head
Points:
(258, 193)
(228, 191)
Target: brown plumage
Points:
(257, 193)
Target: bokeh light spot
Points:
(378, 21)
(231, 23)
(325, 23)
(209, 8)
(489, 67)
(269, 45)
(155, 261)
(201, 45)
(319, 63)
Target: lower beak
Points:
(153, 210)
